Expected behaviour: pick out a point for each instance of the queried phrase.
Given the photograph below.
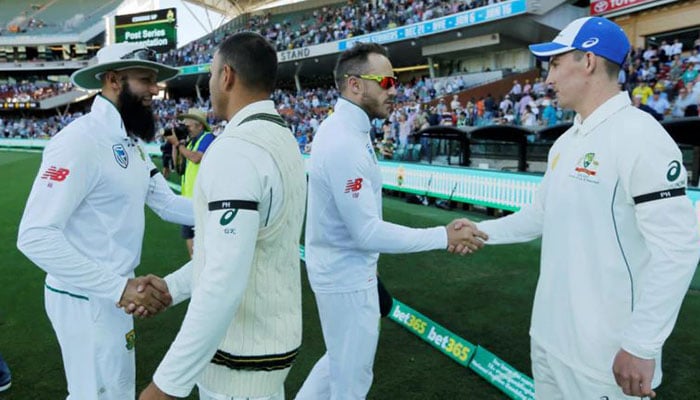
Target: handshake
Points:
(148, 295)
(463, 237)
(145, 296)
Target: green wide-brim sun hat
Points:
(118, 57)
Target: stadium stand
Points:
(330, 23)
(32, 90)
(50, 17)
(460, 100)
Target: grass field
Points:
(485, 298)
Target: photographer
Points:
(167, 151)
(190, 150)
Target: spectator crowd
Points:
(324, 25)
(31, 91)
(417, 105)
(661, 80)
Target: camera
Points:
(181, 132)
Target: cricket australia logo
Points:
(587, 169)
(121, 155)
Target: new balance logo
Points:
(55, 174)
(353, 185)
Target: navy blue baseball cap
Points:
(600, 36)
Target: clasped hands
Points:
(145, 296)
(463, 237)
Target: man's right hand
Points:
(634, 374)
(463, 237)
(145, 296)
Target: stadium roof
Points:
(237, 7)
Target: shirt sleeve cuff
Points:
(169, 388)
(640, 351)
(440, 235)
(179, 283)
(119, 289)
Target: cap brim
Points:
(89, 77)
(196, 118)
(543, 51)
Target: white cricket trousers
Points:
(93, 333)
(350, 324)
(206, 394)
(555, 380)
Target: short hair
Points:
(611, 69)
(354, 61)
(253, 59)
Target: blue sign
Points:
(472, 17)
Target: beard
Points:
(138, 119)
(373, 107)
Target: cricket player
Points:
(242, 330)
(620, 238)
(84, 222)
(345, 232)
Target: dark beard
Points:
(138, 119)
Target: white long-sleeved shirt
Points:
(225, 259)
(620, 240)
(84, 219)
(344, 228)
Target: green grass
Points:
(485, 298)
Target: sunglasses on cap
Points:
(385, 82)
(144, 54)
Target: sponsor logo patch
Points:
(590, 42)
(55, 174)
(353, 186)
(228, 217)
(674, 170)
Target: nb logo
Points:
(56, 174)
(353, 185)
(590, 43)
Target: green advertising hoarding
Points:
(155, 29)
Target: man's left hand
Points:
(152, 392)
(634, 374)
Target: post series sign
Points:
(155, 29)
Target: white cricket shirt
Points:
(219, 276)
(620, 240)
(84, 219)
(344, 228)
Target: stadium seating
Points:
(334, 22)
(58, 16)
